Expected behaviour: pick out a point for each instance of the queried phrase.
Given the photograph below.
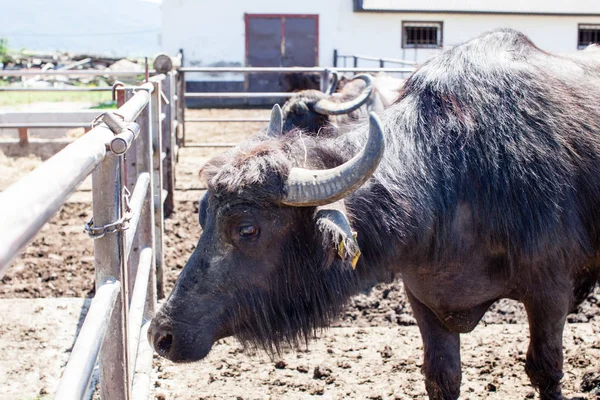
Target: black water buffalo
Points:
(297, 81)
(482, 183)
(313, 110)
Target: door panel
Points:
(278, 41)
(300, 42)
(264, 42)
(264, 50)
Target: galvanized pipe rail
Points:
(76, 378)
(49, 125)
(325, 77)
(246, 95)
(287, 70)
(24, 127)
(78, 72)
(127, 232)
(381, 60)
(228, 120)
(55, 89)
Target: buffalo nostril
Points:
(164, 343)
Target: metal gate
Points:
(125, 152)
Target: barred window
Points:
(587, 35)
(421, 34)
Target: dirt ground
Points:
(373, 352)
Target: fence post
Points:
(158, 186)
(181, 103)
(335, 57)
(355, 61)
(175, 119)
(145, 232)
(130, 178)
(167, 134)
(145, 156)
(177, 124)
(109, 260)
(23, 136)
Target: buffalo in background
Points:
(297, 81)
(481, 182)
(313, 110)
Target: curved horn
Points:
(329, 107)
(307, 187)
(276, 122)
(334, 78)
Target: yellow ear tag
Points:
(355, 259)
(341, 249)
(357, 255)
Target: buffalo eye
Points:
(248, 231)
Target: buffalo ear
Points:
(339, 241)
(276, 123)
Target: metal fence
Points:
(170, 122)
(325, 78)
(23, 127)
(125, 152)
(357, 57)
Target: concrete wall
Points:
(212, 33)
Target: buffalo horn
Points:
(276, 122)
(307, 187)
(328, 107)
(333, 82)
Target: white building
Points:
(306, 32)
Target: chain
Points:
(97, 232)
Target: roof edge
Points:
(359, 8)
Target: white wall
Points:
(551, 33)
(212, 33)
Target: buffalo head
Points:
(310, 110)
(276, 258)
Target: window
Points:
(416, 35)
(587, 35)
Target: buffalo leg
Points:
(441, 364)
(547, 318)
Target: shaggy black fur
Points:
(496, 124)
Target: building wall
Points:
(212, 33)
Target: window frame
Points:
(424, 24)
(589, 26)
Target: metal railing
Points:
(124, 152)
(24, 127)
(56, 89)
(74, 72)
(357, 57)
(325, 78)
(170, 121)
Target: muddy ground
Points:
(59, 263)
